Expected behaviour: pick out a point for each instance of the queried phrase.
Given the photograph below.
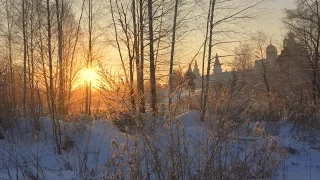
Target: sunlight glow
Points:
(89, 75)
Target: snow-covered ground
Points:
(100, 143)
(301, 146)
(23, 154)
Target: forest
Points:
(158, 89)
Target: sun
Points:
(90, 75)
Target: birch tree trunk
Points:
(138, 55)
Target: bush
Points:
(125, 121)
(68, 144)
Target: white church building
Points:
(220, 76)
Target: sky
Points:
(270, 23)
(273, 24)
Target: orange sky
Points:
(270, 23)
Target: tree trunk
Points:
(204, 57)
(44, 69)
(172, 52)
(55, 124)
(141, 79)
(152, 64)
(32, 62)
(117, 41)
(314, 87)
(24, 59)
(61, 98)
(9, 26)
(206, 91)
(71, 68)
(266, 82)
(139, 64)
(89, 62)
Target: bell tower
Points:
(217, 65)
(272, 53)
(196, 71)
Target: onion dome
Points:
(271, 49)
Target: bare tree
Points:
(130, 44)
(152, 61)
(72, 67)
(24, 29)
(172, 52)
(304, 21)
(240, 13)
(59, 14)
(259, 50)
(243, 59)
(141, 78)
(89, 60)
(55, 123)
(9, 19)
(204, 57)
(206, 90)
(41, 51)
(138, 54)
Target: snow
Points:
(100, 141)
(91, 138)
(295, 166)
